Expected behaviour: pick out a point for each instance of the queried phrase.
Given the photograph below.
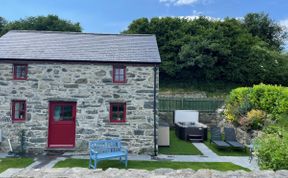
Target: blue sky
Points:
(113, 16)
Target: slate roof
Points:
(76, 46)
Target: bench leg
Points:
(126, 161)
(95, 164)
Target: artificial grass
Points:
(225, 151)
(179, 147)
(6, 163)
(151, 165)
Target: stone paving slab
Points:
(10, 172)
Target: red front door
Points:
(62, 118)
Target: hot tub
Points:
(191, 131)
(187, 126)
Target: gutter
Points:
(155, 111)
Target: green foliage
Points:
(3, 22)
(45, 23)
(256, 118)
(246, 52)
(246, 106)
(271, 148)
(215, 89)
(259, 24)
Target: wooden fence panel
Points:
(169, 104)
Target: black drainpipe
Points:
(154, 111)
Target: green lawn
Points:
(179, 147)
(6, 163)
(151, 165)
(226, 152)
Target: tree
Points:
(259, 24)
(3, 23)
(45, 23)
(209, 50)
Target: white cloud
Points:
(193, 17)
(284, 23)
(179, 2)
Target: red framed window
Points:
(117, 112)
(119, 74)
(20, 71)
(18, 110)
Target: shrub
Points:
(271, 99)
(256, 118)
(271, 148)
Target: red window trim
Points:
(15, 72)
(13, 111)
(111, 112)
(114, 73)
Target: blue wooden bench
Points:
(106, 149)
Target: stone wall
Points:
(91, 86)
(159, 173)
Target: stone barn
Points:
(63, 89)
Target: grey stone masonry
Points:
(91, 86)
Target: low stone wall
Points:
(159, 173)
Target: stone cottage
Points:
(65, 89)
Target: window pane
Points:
(17, 106)
(114, 116)
(117, 78)
(67, 113)
(121, 107)
(19, 110)
(117, 71)
(121, 71)
(114, 108)
(17, 114)
(121, 78)
(22, 115)
(20, 71)
(57, 113)
(121, 116)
